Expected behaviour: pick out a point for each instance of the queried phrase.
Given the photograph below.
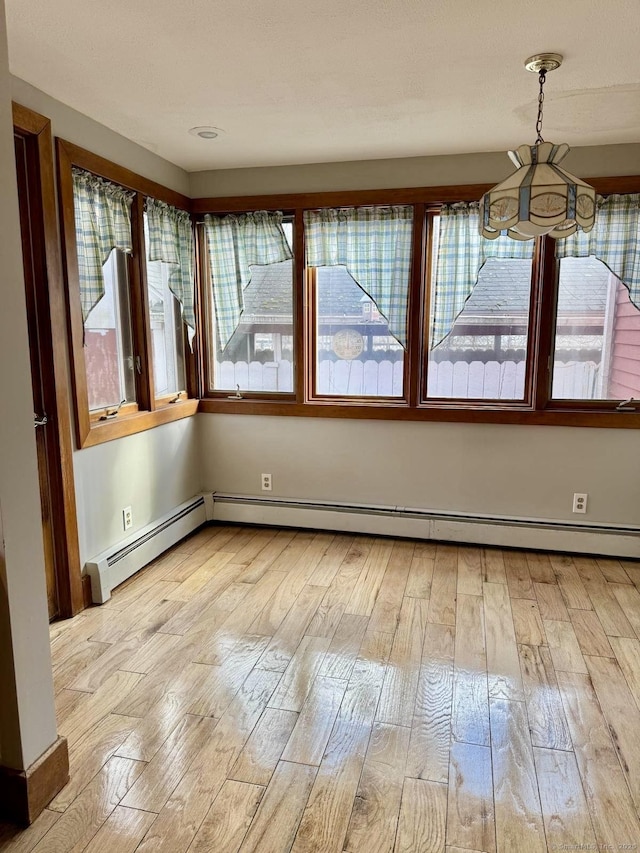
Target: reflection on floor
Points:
(273, 690)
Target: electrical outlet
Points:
(127, 518)
(266, 482)
(580, 502)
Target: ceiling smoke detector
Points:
(205, 132)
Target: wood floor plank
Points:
(622, 716)
(66, 673)
(267, 558)
(469, 581)
(614, 818)
(571, 586)
(442, 604)
(376, 808)
(540, 567)
(613, 571)
(90, 753)
(628, 597)
(18, 839)
(84, 817)
(550, 602)
(401, 679)
(493, 566)
(589, 633)
(470, 812)
(564, 647)
(527, 622)
(276, 821)
(564, 808)
(329, 565)
(163, 773)
(282, 646)
(97, 705)
(326, 817)
(123, 830)
(518, 813)
(547, 723)
(345, 644)
(228, 819)
(261, 753)
(423, 814)
(152, 653)
(386, 610)
(605, 603)
(518, 577)
(186, 809)
(363, 597)
(470, 717)
(296, 683)
(316, 720)
(503, 664)
(431, 726)
(627, 653)
(421, 571)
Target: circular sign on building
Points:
(347, 344)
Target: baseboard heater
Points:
(508, 531)
(114, 566)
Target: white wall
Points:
(152, 471)
(523, 471)
(592, 161)
(27, 719)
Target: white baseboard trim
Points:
(110, 568)
(540, 534)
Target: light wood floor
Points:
(264, 691)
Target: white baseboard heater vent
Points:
(508, 531)
(112, 567)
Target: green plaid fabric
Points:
(462, 252)
(614, 240)
(235, 244)
(103, 223)
(374, 243)
(171, 241)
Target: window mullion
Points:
(302, 339)
(542, 343)
(416, 345)
(140, 309)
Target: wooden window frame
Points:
(537, 409)
(148, 411)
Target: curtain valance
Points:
(374, 243)
(103, 223)
(235, 243)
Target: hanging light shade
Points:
(540, 197)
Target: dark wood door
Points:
(37, 302)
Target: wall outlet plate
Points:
(580, 502)
(266, 482)
(127, 518)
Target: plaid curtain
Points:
(235, 244)
(103, 223)
(614, 240)
(374, 243)
(462, 252)
(171, 241)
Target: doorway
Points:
(47, 335)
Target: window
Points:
(129, 267)
(256, 354)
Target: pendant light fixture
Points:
(539, 197)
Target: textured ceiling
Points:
(294, 81)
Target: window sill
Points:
(123, 425)
(402, 412)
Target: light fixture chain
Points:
(542, 78)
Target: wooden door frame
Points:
(36, 127)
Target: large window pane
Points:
(485, 355)
(259, 355)
(167, 330)
(355, 354)
(108, 340)
(597, 343)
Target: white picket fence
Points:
(473, 380)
